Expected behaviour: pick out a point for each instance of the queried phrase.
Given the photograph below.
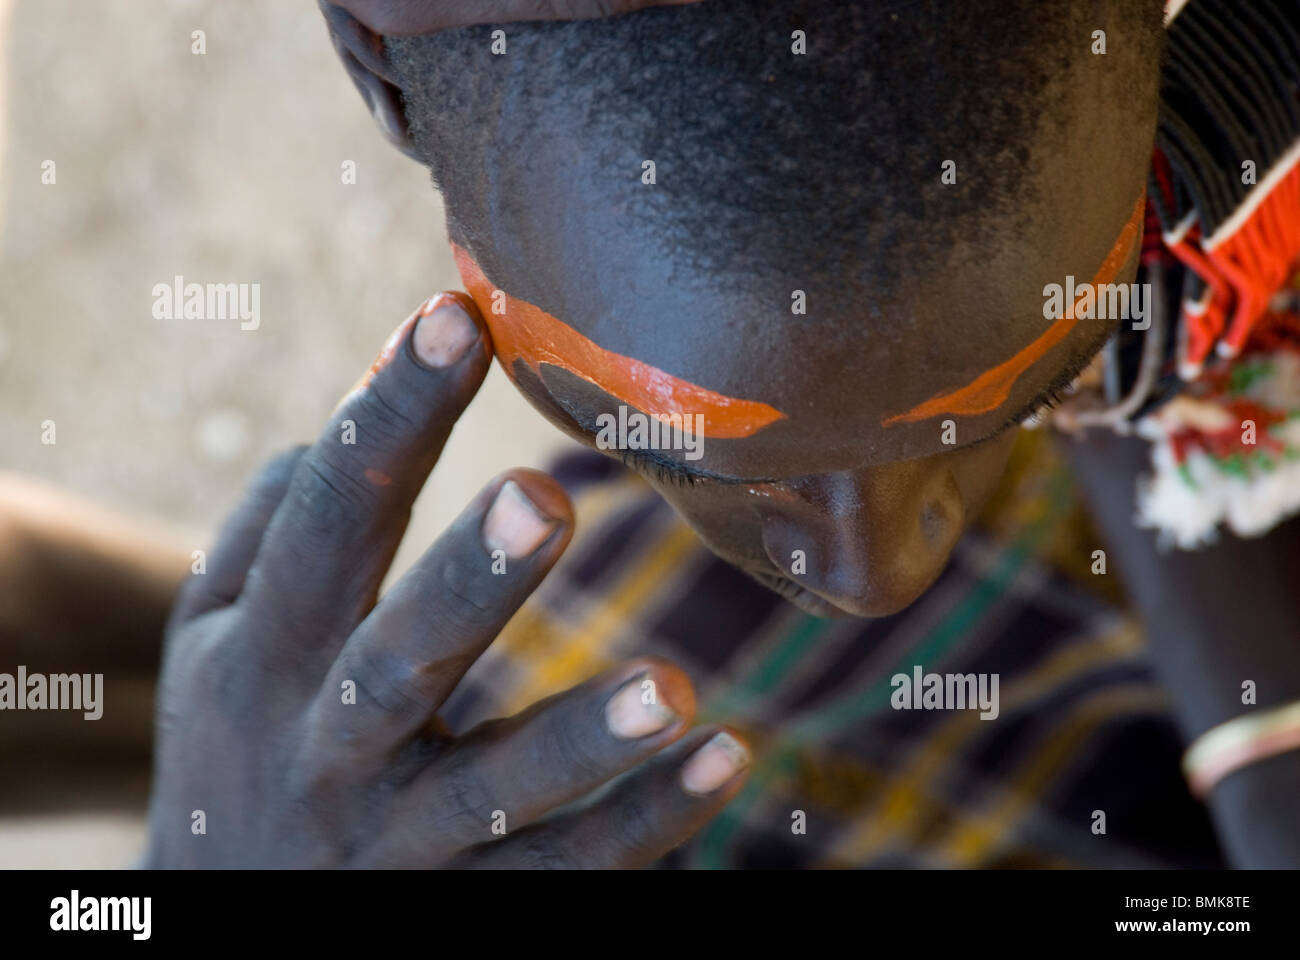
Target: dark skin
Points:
(286, 614)
(875, 509)
(878, 509)
(285, 621)
(1214, 619)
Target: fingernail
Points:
(444, 333)
(714, 764)
(514, 524)
(638, 709)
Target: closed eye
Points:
(673, 472)
(676, 474)
(1054, 393)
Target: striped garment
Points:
(1083, 726)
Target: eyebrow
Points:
(524, 332)
(990, 389)
(681, 472)
(756, 415)
(1052, 391)
(665, 466)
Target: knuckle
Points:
(635, 827)
(383, 416)
(569, 746)
(467, 801)
(220, 678)
(543, 850)
(473, 601)
(397, 684)
(330, 495)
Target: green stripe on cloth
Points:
(764, 679)
(709, 852)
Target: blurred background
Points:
(221, 167)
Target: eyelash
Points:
(661, 471)
(667, 471)
(671, 474)
(1052, 397)
(1050, 400)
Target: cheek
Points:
(978, 471)
(725, 516)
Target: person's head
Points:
(837, 257)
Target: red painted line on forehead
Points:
(525, 332)
(991, 388)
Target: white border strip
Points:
(1172, 9)
(1256, 198)
(1179, 231)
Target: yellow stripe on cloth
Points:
(575, 655)
(898, 816)
(970, 844)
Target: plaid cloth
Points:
(1082, 726)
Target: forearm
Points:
(80, 586)
(82, 591)
(1215, 620)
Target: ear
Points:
(362, 53)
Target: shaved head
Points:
(820, 165)
(836, 220)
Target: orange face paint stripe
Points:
(990, 389)
(525, 332)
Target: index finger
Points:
(397, 19)
(334, 534)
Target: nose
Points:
(872, 540)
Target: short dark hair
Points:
(840, 148)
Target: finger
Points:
(409, 654)
(512, 772)
(646, 815)
(391, 19)
(338, 526)
(217, 582)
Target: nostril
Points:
(942, 516)
(934, 523)
(782, 556)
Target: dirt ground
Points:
(221, 167)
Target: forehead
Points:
(826, 384)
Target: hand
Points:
(296, 719)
